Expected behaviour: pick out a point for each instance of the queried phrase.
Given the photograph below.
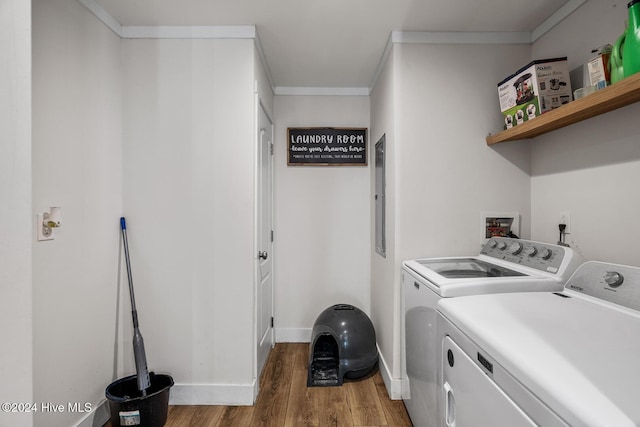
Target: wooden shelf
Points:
(623, 93)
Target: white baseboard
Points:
(393, 385)
(293, 334)
(187, 394)
(97, 417)
(213, 394)
(235, 394)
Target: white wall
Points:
(161, 131)
(592, 168)
(321, 218)
(189, 200)
(445, 175)
(575, 38)
(77, 164)
(384, 298)
(16, 222)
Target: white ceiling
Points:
(337, 43)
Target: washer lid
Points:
(477, 275)
(464, 268)
(579, 355)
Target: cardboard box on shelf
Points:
(534, 89)
(599, 74)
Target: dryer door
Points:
(471, 398)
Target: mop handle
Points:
(142, 372)
(134, 311)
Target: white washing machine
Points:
(503, 265)
(569, 358)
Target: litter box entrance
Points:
(325, 363)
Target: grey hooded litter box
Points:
(343, 344)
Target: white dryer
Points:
(503, 265)
(569, 358)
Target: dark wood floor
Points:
(285, 400)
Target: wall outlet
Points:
(565, 218)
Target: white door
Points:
(264, 297)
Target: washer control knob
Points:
(502, 246)
(546, 254)
(516, 248)
(613, 279)
(532, 251)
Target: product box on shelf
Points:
(534, 89)
(599, 69)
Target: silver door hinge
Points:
(271, 236)
(272, 321)
(271, 148)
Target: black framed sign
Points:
(327, 146)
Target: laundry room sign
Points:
(327, 146)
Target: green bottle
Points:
(615, 61)
(631, 50)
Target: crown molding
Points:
(170, 32)
(250, 32)
(189, 32)
(461, 37)
(383, 61)
(321, 91)
(103, 16)
(263, 60)
(449, 37)
(566, 10)
(180, 32)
